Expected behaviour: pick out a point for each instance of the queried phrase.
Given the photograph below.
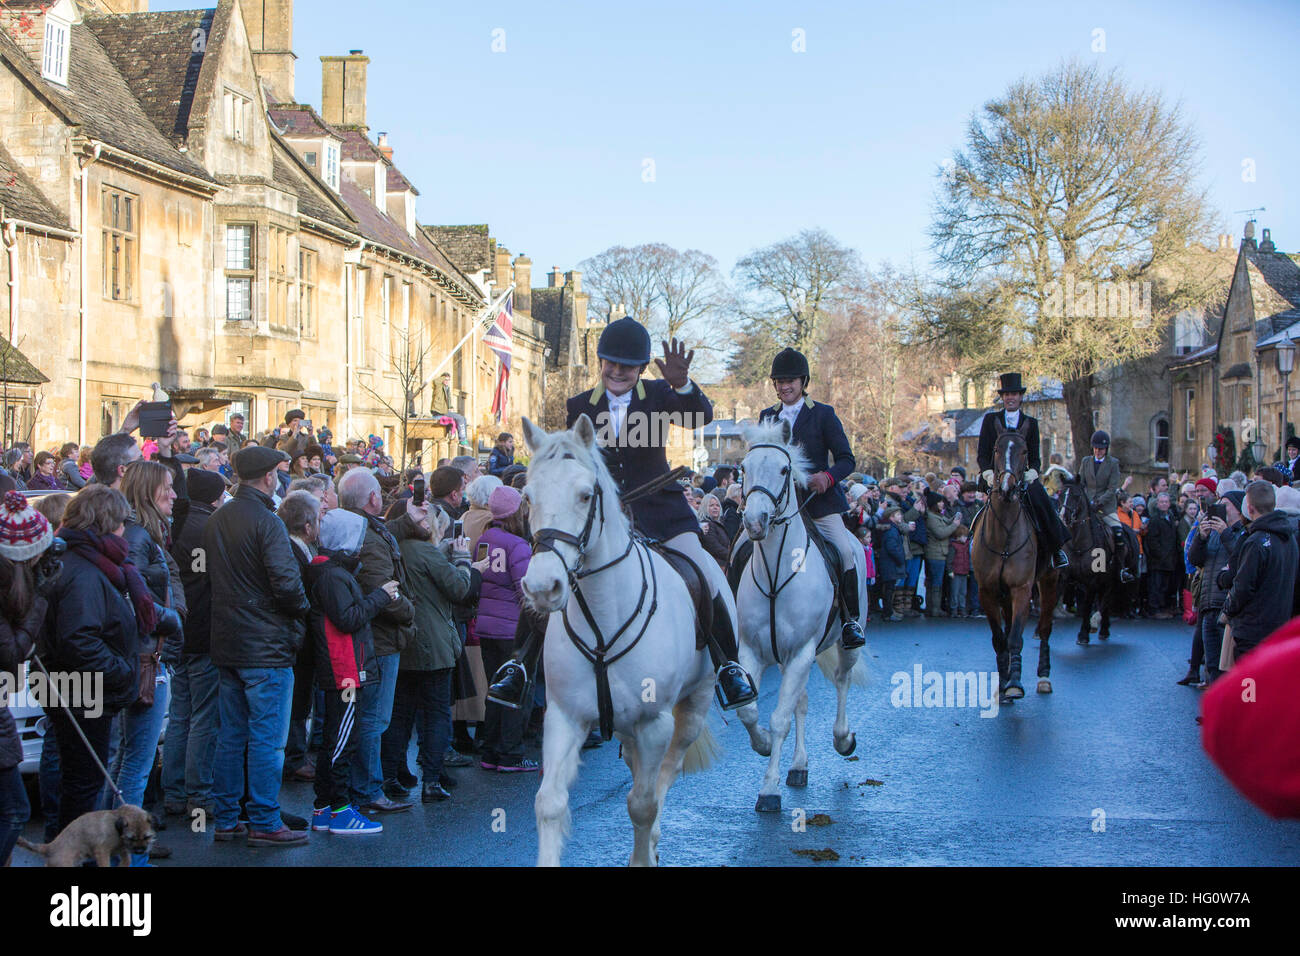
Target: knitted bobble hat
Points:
(24, 532)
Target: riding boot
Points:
(850, 632)
(734, 688)
(513, 679)
(1122, 556)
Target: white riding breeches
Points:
(842, 539)
(1112, 520)
(688, 543)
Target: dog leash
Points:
(49, 682)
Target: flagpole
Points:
(488, 312)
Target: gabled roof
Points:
(357, 145)
(16, 368)
(962, 418)
(724, 428)
(1274, 282)
(20, 199)
(397, 182)
(151, 53)
(315, 198)
(99, 101)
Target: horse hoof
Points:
(1044, 686)
(1083, 640)
(1103, 637)
(845, 746)
(761, 747)
(797, 778)
(1014, 691)
(1006, 701)
(768, 803)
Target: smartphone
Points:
(457, 528)
(1219, 510)
(482, 551)
(417, 496)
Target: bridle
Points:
(1014, 495)
(602, 654)
(779, 501)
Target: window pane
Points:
(239, 241)
(127, 225)
(239, 298)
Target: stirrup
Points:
(510, 685)
(1060, 559)
(851, 636)
(742, 696)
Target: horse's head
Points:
(572, 501)
(1010, 458)
(772, 469)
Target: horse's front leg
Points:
(759, 738)
(653, 737)
(1016, 640)
(794, 681)
(845, 740)
(992, 606)
(562, 738)
(797, 776)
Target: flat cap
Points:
(254, 461)
(350, 459)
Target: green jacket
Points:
(433, 584)
(939, 529)
(392, 628)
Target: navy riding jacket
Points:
(817, 430)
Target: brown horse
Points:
(1007, 562)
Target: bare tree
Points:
(791, 286)
(1072, 194)
(406, 360)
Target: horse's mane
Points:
(565, 444)
(769, 433)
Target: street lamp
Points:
(1285, 364)
(1258, 450)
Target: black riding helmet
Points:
(1100, 439)
(624, 341)
(790, 363)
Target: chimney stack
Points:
(343, 89)
(524, 284)
(269, 24)
(1225, 241)
(501, 268)
(1266, 244)
(573, 279)
(384, 147)
(555, 278)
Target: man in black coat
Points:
(258, 611)
(1261, 575)
(192, 722)
(632, 417)
(1052, 533)
(816, 429)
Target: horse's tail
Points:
(703, 753)
(827, 659)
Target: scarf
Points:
(108, 553)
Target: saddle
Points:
(698, 587)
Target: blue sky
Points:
(751, 141)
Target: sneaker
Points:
(486, 764)
(281, 837)
(349, 820)
(320, 819)
(517, 765)
(454, 758)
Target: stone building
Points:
(171, 213)
(1228, 382)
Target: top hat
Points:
(1010, 382)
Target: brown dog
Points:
(98, 835)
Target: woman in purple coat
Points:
(505, 547)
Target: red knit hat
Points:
(24, 532)
(1209, 483)
(1251, 723)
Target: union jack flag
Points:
(500, 338)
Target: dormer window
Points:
(54, 63)
(332, 165)
(309, 158)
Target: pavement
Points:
(1107, 770)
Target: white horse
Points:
(787, 575)
(623, 605)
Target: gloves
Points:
(987, 476)
(169, 622)
(820, 482)
(1031, 475)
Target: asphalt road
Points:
(1107, 770)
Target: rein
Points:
(603, 654)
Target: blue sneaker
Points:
(320, 819)
(348, 820)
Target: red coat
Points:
(1251, 723)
